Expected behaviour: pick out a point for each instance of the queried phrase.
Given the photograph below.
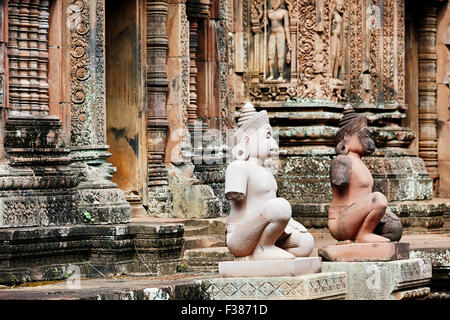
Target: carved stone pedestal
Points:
(391, 280)
(270, 268)
(330, 285)
(360, 252)
(37, 182)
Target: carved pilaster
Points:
(97, 194)
(427, 90)
(36, 180)
(193, 71)
(157, 88)
(87, 77)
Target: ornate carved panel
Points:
(338, 50)
(87, 74)
(297, 49)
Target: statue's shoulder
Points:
(237, 165)
(340, 170)
(341, 160)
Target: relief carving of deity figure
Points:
(280, 46)
(336, 40)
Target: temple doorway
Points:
(125, 98)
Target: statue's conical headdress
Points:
(249, 121)
(350, 123)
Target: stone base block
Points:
(359, 252)
(330, 285)
(51, 253)
(440, 262)
(389, 280)
(270, 268)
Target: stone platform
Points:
(51, 253)
(360, 252)
(270, 268)
(329, 285)
(186, 287)
(390, 280)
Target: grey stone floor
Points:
(178, 286)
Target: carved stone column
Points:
(160, 198)
(427, 91)
(193, 71)
(36, 180)
(97, 194)
(197, 11)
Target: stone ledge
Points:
(46, 253)
(440, 261)
(365, 252)
(383, 280)
(270, 268)
(330, 285)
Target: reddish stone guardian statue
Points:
(356, 213)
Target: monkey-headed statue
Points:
(356, 213)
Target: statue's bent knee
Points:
(306, 243)
(379, 200)
(278, 209)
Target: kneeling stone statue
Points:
(259, 226)
(356, 213)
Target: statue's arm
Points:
(236, 181)
(286, 28)
(340, 171)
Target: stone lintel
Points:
(365, 252)
(270, 268)
(330, 285)
(388, 280)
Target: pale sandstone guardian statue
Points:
(279, 38)
(259, 226)
(356, 213)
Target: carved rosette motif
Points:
(87, 74)
(80, 51)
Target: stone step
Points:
(218, 226)
(206, 260)
(192, 231)
(195, 222)
(201, 242)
